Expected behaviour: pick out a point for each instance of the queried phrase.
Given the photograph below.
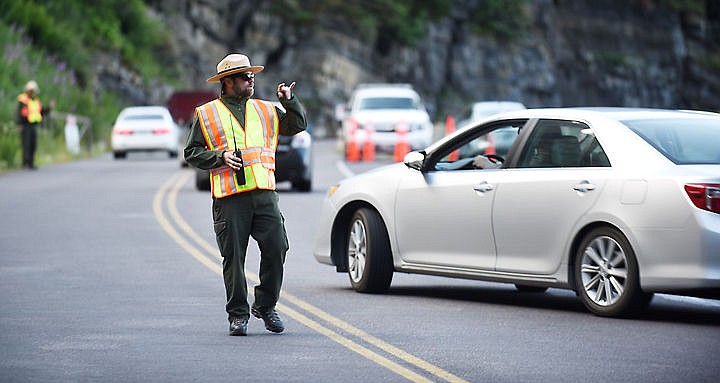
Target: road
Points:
(109, 272)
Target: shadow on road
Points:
(663, 308)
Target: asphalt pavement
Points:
(109, 272)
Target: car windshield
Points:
(387, 103)
(685, 141)
(143, 117)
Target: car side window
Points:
(559, 144)
(497, 141)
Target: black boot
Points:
(271, 318)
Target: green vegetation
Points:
(613, 59)
(388, 22)
(710, 62)
(691, 7)
(55, 43)
(505, 20)
(380, 22)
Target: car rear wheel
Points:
(369, 258)
(119, 155)
(606, 274)
(202, 179)
(302, 185)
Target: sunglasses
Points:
(247, 76)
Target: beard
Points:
(244, 91)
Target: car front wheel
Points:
(606, 274)
(369, 258)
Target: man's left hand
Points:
(285, 91)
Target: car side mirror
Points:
(414, 160)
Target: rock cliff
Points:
(574, 52)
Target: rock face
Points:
(576, 52)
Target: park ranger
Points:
(235, 137)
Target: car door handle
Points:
(483, 187)
(584, 187)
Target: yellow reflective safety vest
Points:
(257, 142)
(31, 109)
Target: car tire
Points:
(530, 289)
(119, 155)
(202, 179)
(370, 265)
(607, 276)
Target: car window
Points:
(144, 117)
(496, 141)
(388, 103)
(559, 143)
(682, 141)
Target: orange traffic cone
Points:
(449, 128)
(352, 150)
(402, 147)
(491, 145)
(368, 147)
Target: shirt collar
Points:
(234, 101)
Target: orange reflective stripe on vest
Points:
(257, 143)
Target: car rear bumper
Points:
(682, 260)
(144, 143)
(386, 141)
(292, 165)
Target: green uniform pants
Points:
(28, 140)
(236, 218)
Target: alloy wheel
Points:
(357, 251)
(604, 271)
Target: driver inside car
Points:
(482, 162)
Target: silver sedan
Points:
(613, 203)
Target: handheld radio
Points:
(239, 174)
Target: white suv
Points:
(382, 110)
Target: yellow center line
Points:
(160, 216)
(179, 181)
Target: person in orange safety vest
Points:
(30, 114)
(235, 137)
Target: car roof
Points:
(589, 114)
(492, 105)
(387, 90)
(611, 113)
(145, 109)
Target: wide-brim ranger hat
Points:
(234, 63)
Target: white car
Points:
(483, 109)
(381, 111)
(614, 203)
(499, 141)
(145, 128)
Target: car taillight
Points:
(122, 132)
(704, 196)
(161, 131)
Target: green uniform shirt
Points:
(196, 152)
